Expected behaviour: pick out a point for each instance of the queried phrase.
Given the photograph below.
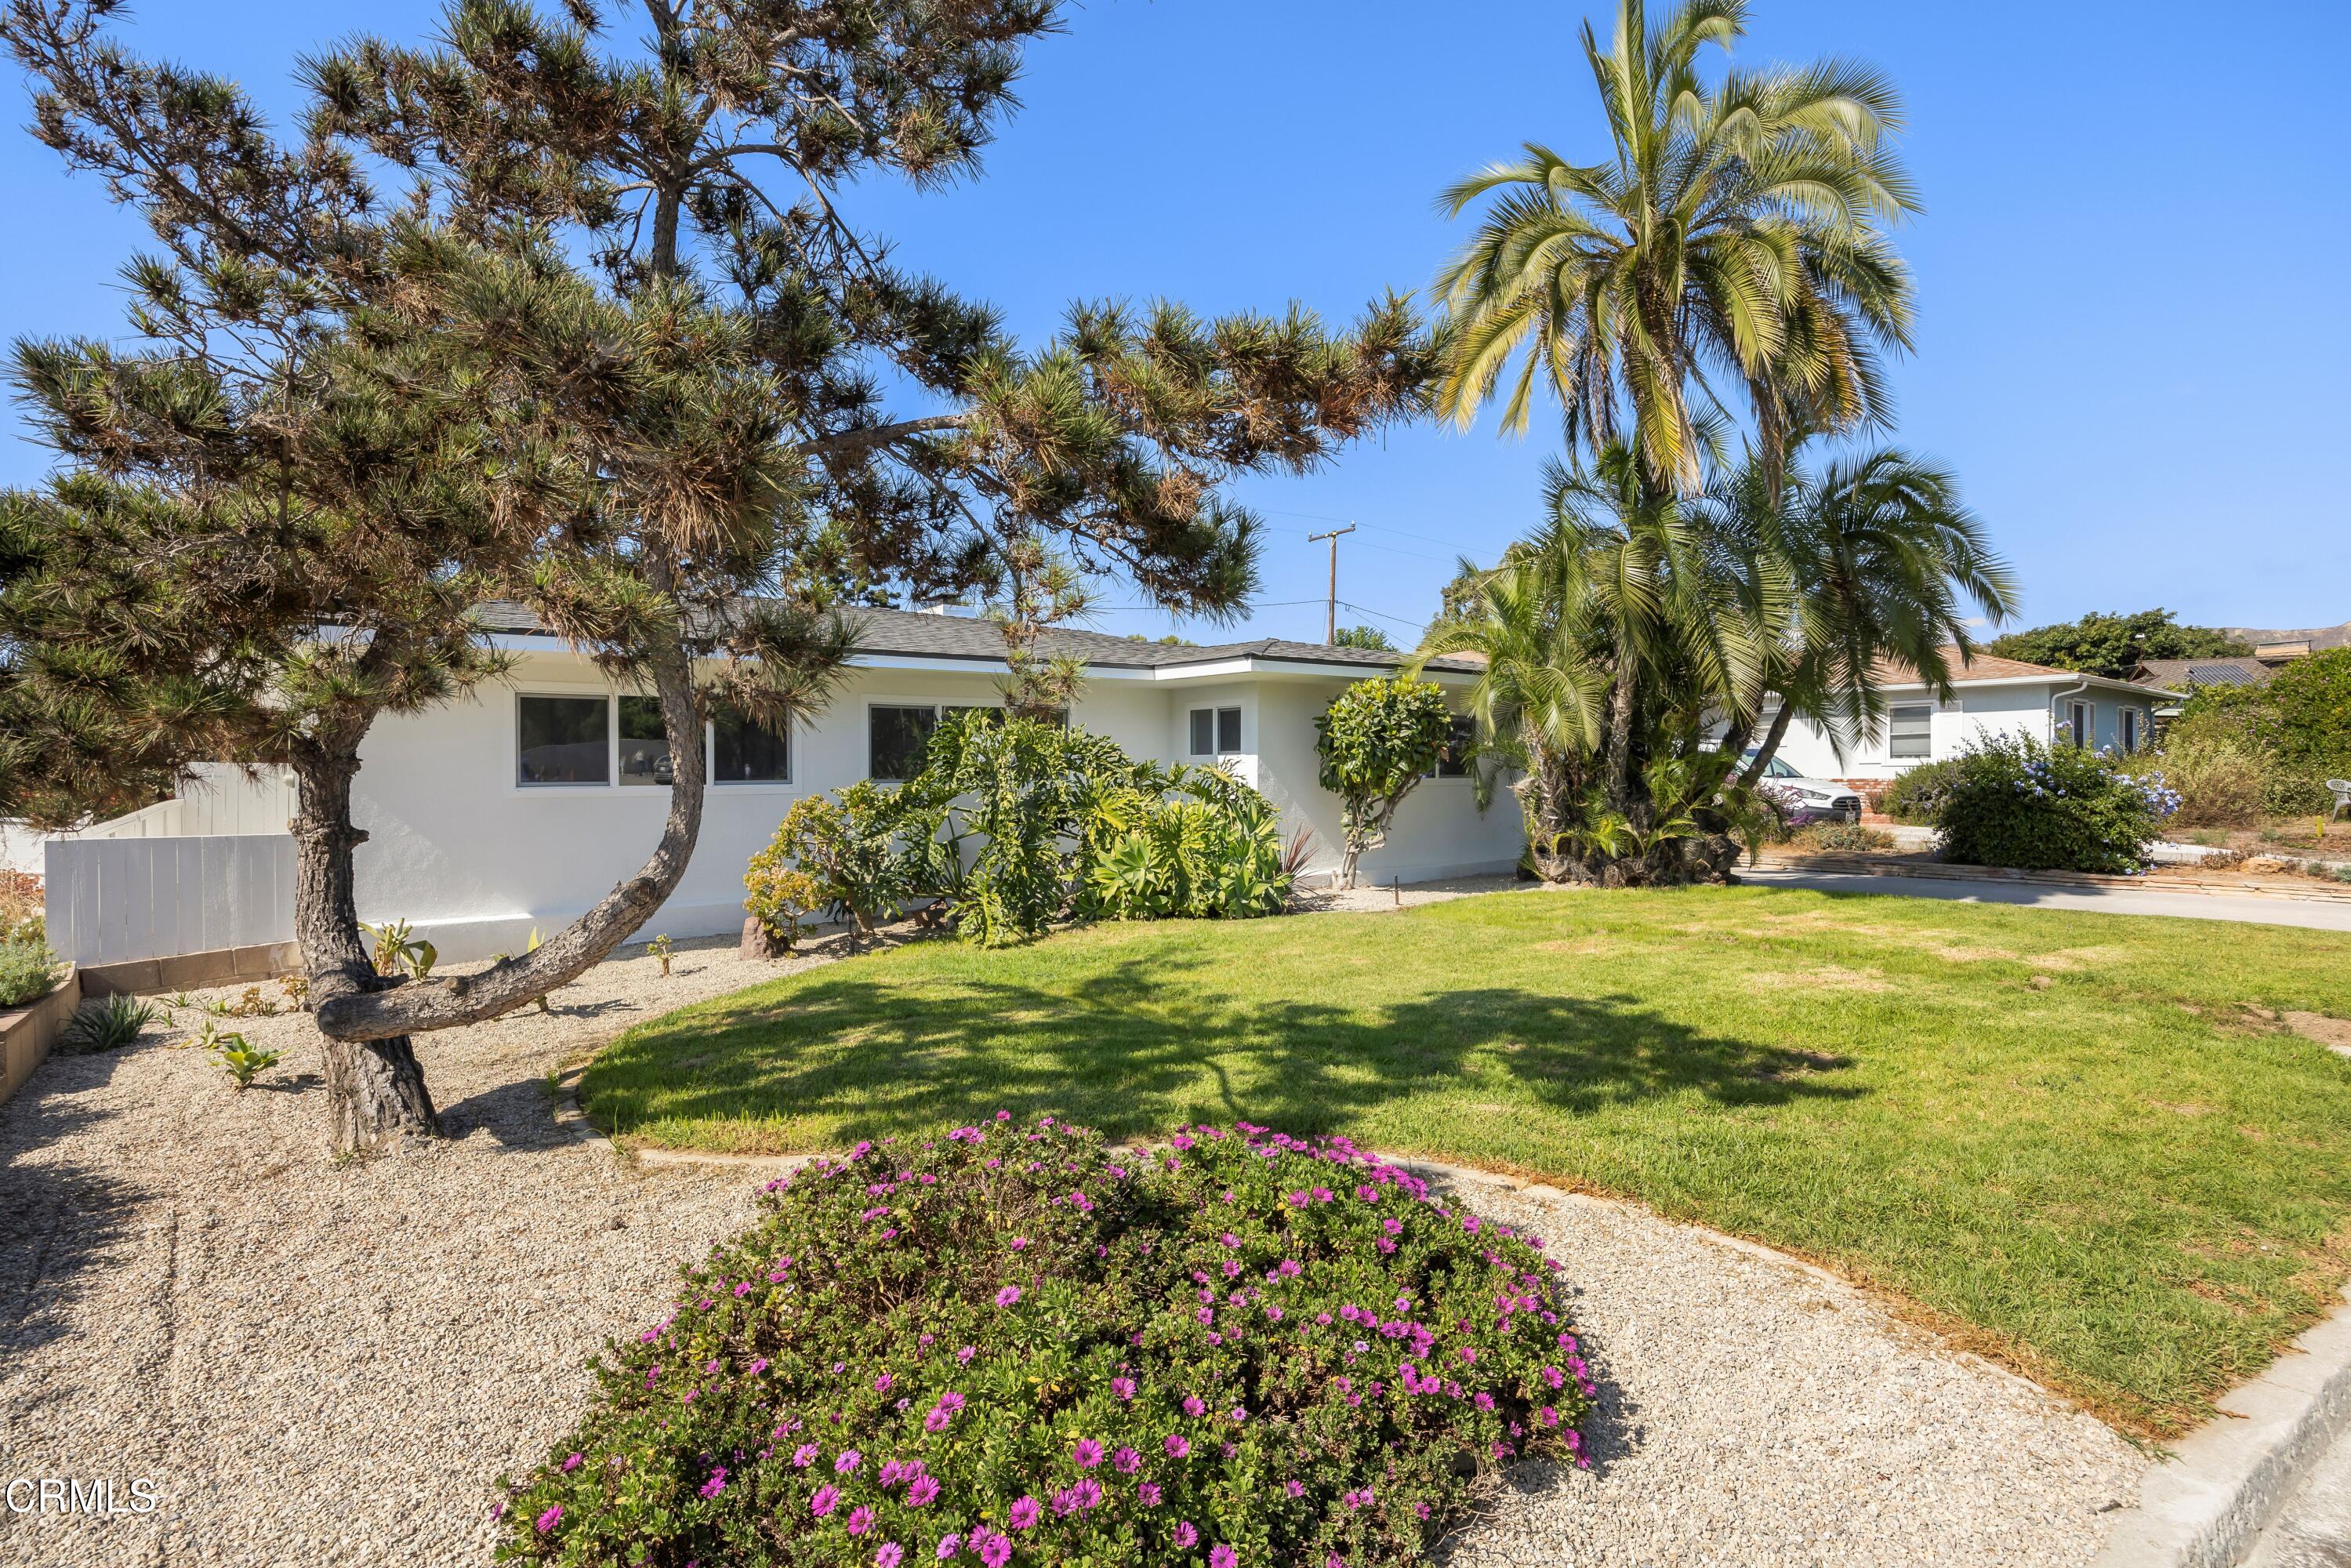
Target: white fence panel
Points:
(114, 901)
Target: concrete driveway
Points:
(2317, 914)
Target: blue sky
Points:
(2132, 329)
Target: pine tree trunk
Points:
(375, 1089)
(1771, 746)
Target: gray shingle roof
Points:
(2180, 673)
(913, 635)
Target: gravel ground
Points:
(305, 1362)
(1758, 1412)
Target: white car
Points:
(1811, 800)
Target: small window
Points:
(2078, 723)
(897, 737)
(1910, 732)
(564, 741)
(745, 751)
(1780, 767)
(1453, 757)
(1216, 730)
(2130, 730)
(645, 744)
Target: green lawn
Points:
(2056, 1135)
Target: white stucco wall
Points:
(1978, 709)
(1439, 829)
(474, 859)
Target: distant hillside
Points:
(2321, 637)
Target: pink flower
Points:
(804, 1455)
(1122, 1386)
(1177, 1446)
(847, 1464)
(572, 1463)
(1088, 1453)
(1224, 1557)
(1126, 1461)
(1148, 1493)
(550, 1518)
(1294, 1488)
(948, 1546)
(888, 1555)
(881, 1383)
(997, 1550)
(1006, 1296)
(827, 1498)
(1186, 1536)
(966, 1353)
(924, 1489)
(1194, 1404)
(861, 1520)
(1024, 1513)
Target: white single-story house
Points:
(1990, 695)
(524, 803)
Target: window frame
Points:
(939, 709)
(2130, 730)
(612, 782)
(1463, 729)
(2081, 721)
(1215, 712)
(1927, 739)
(514, 781)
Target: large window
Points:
(620, 740)
(745, 751)
(897, 734)
(1453, 757)
(1910, 732)
(1216, 730)
(645, 744)
(564, 741)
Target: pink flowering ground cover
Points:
(1015, 1343)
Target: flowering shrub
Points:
(2013, 801)
(1019, 1344)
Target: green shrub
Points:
(28, 971)
(1195, 843)
(2286, 793)
(2219, 782)
(1841, 838)
(1236, 1347)
(1377, 740)
(1917, 794)
(2018, 802)
(1014, 823)
(2301, 718)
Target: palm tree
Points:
(1605, 638)
(1892, 565)
(1737, 232)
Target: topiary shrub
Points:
(1917, 794)
(1016, 1340)
(2015, 801)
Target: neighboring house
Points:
(2183, 676)
(523, 804)
(1990, 695)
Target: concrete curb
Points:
(2226, 1480)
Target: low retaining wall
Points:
(27, 1033)
(193, 971)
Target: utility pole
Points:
(1331, 612)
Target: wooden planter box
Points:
(26, 1033)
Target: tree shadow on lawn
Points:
(1111, 1052)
